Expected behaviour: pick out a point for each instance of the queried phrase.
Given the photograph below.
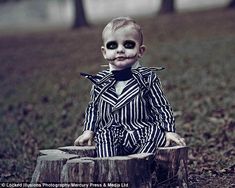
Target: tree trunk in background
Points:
(167, 6)
(80, 18)
(231, 4)
(7, 1)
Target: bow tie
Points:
(122, 75)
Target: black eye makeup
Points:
(129, 44)
(112, 45)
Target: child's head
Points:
(122, 42)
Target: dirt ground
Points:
(43, 98)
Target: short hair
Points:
(120, 22)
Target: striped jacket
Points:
(141, 103)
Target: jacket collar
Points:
(106, 82)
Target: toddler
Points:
(128, 112)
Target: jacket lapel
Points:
(110, 96)
(128, 93)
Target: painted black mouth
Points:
(123, 58)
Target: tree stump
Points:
(133, 171)
(49, 165)
(76, 164)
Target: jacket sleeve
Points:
(160, 105)
(91, 113)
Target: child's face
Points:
(122, 47)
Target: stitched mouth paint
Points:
(122, 58)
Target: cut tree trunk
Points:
(76, 164)
(50, 165)
(132, 170)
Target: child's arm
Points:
(160, 105)
(163, 110)
(91, 115)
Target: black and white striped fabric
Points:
(132, 122)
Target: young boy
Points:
(128, 112)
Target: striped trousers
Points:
(116, 141)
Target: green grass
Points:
(43, 98)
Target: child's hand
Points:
(85, 139)
(170, 136)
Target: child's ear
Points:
(103, 51)
(142, 50)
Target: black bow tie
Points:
(122, 75)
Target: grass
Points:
(43, 98)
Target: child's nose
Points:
(120, 49)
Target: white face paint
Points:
(122, 47)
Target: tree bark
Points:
(80, 18)
(171, 166)
(167, 6)
(133, 171)
(78, 170)
(49, 166)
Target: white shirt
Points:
(120, 85)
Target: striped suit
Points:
(133, 122)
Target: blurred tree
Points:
(232, 4)
(6, 1)
(167, 6)
(80, 18)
